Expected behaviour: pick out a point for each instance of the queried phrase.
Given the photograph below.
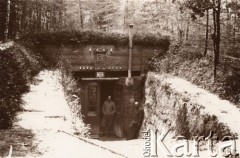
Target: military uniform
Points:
(108, 111)
(136, 123)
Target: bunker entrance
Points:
(107, 89)
(108, 70)
(93, 96)
(96, 91)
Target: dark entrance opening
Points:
(106, 89)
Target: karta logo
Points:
(154, 144)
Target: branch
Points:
(202, 24)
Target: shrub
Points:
(95, 37)
(71, 90)
(182, 124)
(17, 67)
(12, 84)
(190, 63)
(203, 125)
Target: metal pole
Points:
(130, 51)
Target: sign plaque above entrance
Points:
(100, 74)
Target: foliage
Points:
(16, 69)
(31, 16)
(13, 137)
(211, 123)
(188, 62)
(165, 101)
(72, 91)
(234, 6)
(96, 37)
(182, 124)
(206, 124)
(168, 17)
(198, 7)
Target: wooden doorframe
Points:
(118, 119)
(90, 118)
(118, 99)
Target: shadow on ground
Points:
(110, 137)
(21, 140)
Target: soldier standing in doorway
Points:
(136, 123)
(108, 110)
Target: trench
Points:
(100, 74)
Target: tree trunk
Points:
(17, 19)
(218, 31)
(125, 16)
(80, 13)
(214, 38)
(60, 19)
(234, 28)
(188, 25)
(12, 26)
(30, 20)
(7, 21)
(24, 14)
(206, 40)
(47, 19)
(217, 37)
(39, 16)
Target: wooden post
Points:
(130, 51)
(129, 80)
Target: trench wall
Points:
(184, 108)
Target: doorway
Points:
(106, 89)
(92, 109)
(96, 92)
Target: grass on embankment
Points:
(188, 62)
(17, 67)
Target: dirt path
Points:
(44, 124)
(45, 129)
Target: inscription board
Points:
(108, 57)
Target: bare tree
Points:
(207, 30)
(7, 21)
(80, 13)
